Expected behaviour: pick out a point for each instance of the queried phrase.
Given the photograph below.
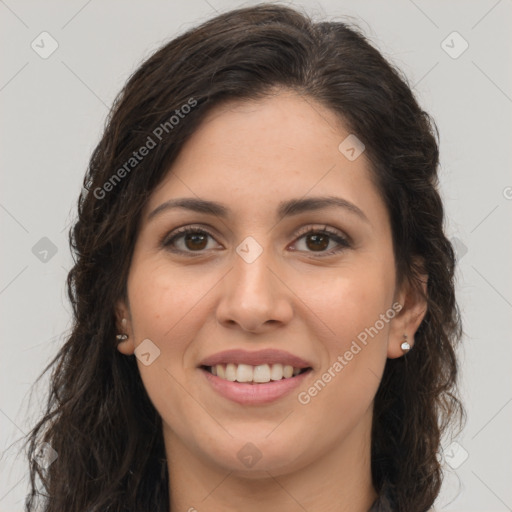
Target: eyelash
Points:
(343, 242)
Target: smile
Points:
(254, 377)
(259, 374)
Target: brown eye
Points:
(196, 241)
(189, 240)
(324, 242)
(317, 242)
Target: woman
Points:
(264, 309)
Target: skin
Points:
(249, 156)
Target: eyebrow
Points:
(287, 208)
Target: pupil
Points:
(319, 241)
(198, 241)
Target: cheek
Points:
(164, 304)
(163, 300)
(353, 301)
(357, 308)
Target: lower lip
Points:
(250, 394)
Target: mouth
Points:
(258, 374)
(254, 377)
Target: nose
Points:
(254, 297)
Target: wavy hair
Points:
(98, 416)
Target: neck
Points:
(337, 481)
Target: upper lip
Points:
(255, 358)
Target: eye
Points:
(191, 239)
(188, 239)
(325, 241)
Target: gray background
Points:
(53, 112)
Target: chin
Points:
(258, 458)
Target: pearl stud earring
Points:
(122, 337)
(405, 346)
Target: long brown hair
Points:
(98, 418)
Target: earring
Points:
(122, 337)
(405, 346)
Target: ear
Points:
(412, 298)
(123, 326)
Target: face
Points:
(290, 276)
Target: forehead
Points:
(258, 152)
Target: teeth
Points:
(231, 372)
(276, 373)
(261, 373)
(244, 373)
(248, 373)
(221, 371)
